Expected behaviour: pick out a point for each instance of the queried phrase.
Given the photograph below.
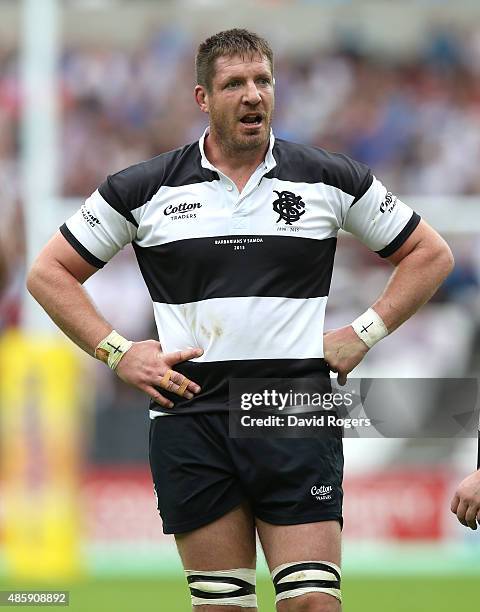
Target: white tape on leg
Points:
(234, 587)
(295, 579)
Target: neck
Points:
(227, 159)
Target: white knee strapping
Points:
(234, 587)
(295, 579)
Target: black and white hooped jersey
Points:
(245, 276)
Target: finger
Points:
(470, 517)
(185, 355)
(178, 383)
(182, 390)
(342, 379)
(158, 397)
(461, 511)
(184, 384)
(167, 382)
(454, 504)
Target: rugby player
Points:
(235, 236)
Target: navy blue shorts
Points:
(200, 474)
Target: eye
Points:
(232, 84)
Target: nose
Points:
(251, 94)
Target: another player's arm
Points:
(466, 501)
(421, 264)
(55, 281)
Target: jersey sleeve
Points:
(102, 226)
(378, 218)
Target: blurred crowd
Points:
(415, 121)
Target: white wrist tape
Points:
(370, 327)
(112, 348)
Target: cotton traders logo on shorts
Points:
(288, 206)
(322, 492)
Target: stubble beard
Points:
(232, 143)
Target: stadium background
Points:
(394, 84)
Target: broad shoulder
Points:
(137, 184)
(306, 163)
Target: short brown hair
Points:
(228, 43)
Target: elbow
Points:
(442, 261)
(35, 279)
(32, 279)
(445, 260)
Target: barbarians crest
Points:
(288, 206)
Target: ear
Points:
(201, 98)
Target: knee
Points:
(310, 602)
(308, 586)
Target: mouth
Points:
(252, 120)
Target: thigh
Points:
(318, 542)
(228, 542)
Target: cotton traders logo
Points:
(288, 206)
(182, 211)
(322, 492)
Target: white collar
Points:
(269, 161)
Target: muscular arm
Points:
(421, 265)
(55, 281)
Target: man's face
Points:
(240, 102)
